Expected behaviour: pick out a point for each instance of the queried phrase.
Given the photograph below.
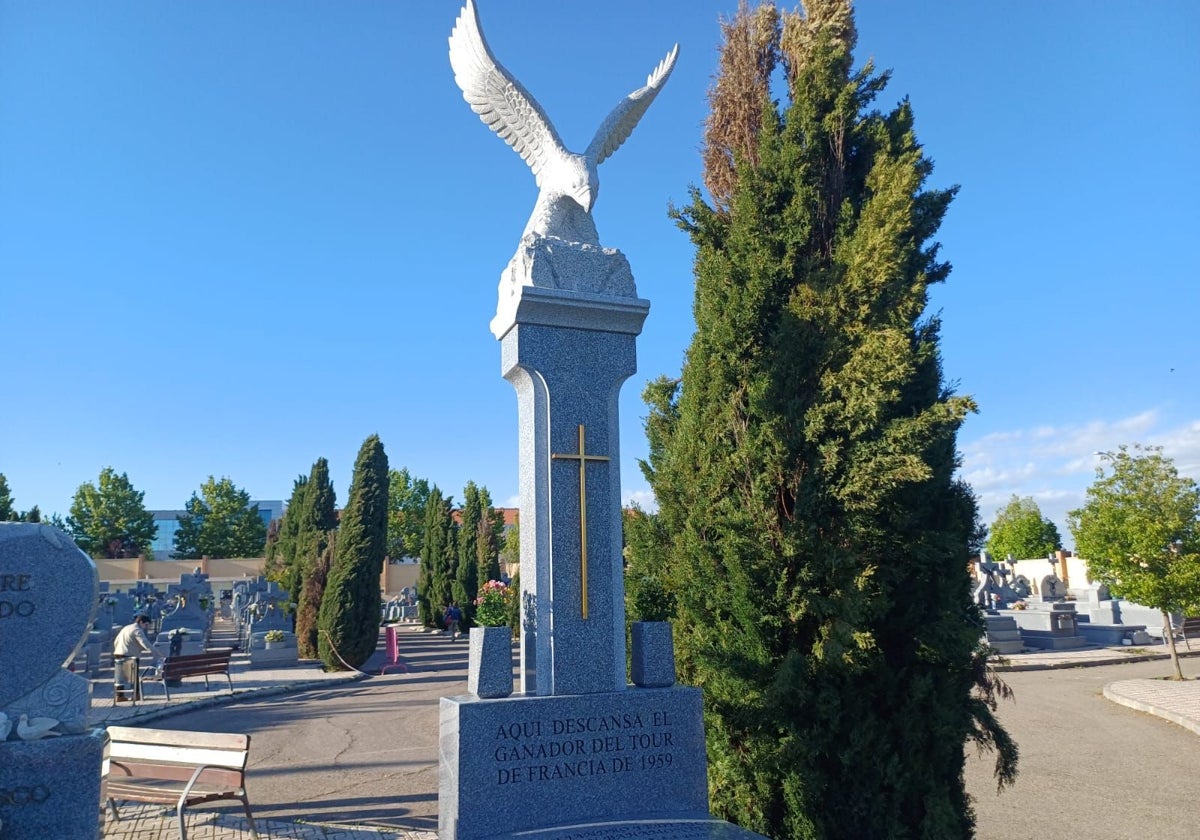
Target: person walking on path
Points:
(452, 618)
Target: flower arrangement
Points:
(1018, 605)
(273, 636)
(494, 604)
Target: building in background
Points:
(168, 523)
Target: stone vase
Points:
(489, 662)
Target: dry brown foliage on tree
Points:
(739, 96)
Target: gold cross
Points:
(582, 457)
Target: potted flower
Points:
(273, 639)
(489, 659)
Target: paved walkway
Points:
(1178, 702)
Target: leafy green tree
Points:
(219, 522)
(1139, 529)
(510, 551)
(7, 511)
(438, 557)
(1021, 531)
(815, 536)
(34, 514)
(109, 518)
(348, 624)
(407, 497)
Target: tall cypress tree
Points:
(438, 553)
(491, 535)
(466, 578)
(317, 522)
(312, 593)
(348, 623)
(280, 565)
(813, 538)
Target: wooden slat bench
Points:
(176, 768)
(213, 662)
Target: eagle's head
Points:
(575, 177)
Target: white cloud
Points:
(643, 498)
(1056, 464)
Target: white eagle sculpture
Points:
(559, 247)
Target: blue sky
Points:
(235, 237)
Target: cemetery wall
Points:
(133, 569)
(395, 576)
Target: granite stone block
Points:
(529, 762)
(652, 660)
(489, 662)
(566, 378)
(48, 596)
(52, 788)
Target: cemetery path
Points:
(1088, 766)
(361, 754)
(365, 754)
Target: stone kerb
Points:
(50, 763)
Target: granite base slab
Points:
(529, 763)
(1051, 641)
(648, 830)
(51, 788)
(1108, 635)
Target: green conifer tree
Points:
(438, 559)
(317, 520)
(466, 578)
(280, 565)
(491, 537)
(7, 511)
(348, 623)
(815, 537)
(308, 602)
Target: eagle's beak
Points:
(584, 197)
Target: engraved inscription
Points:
(15, 606)
(579, 747)
(35, 795)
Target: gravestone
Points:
(190, 612)
(578, 753)
(122, 608)
(1050, 625)
(268, 612)
(49, 787)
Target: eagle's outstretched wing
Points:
(499, 99)
(618, 125)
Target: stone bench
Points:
(180, 769)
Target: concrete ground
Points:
(383, 785)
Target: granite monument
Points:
(578, 752)
(50, 762)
